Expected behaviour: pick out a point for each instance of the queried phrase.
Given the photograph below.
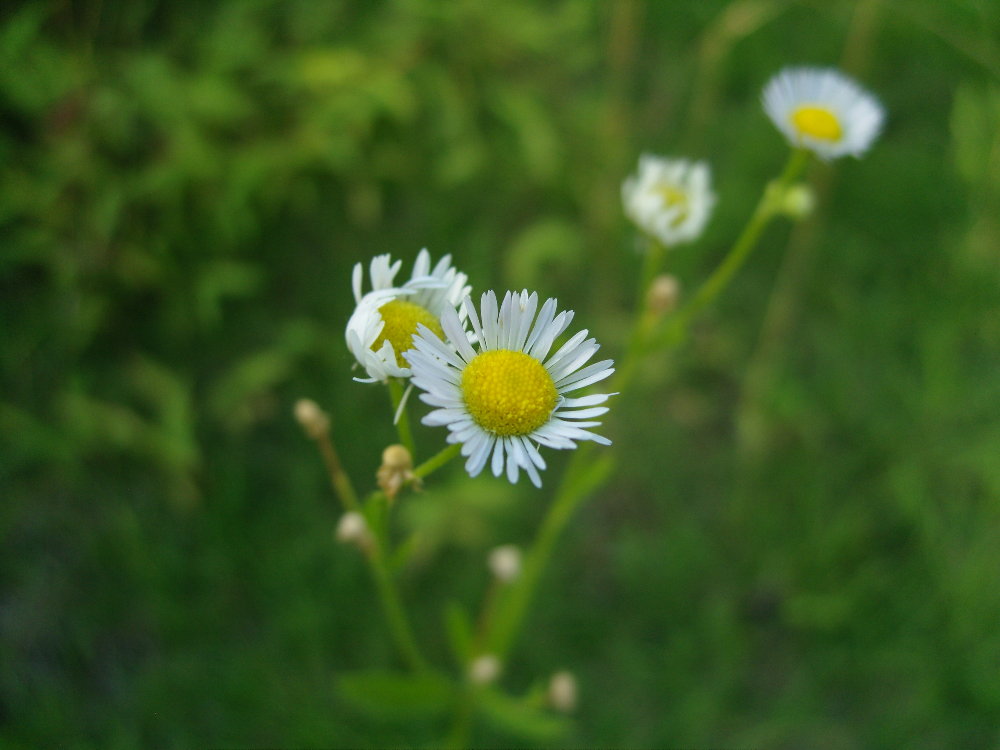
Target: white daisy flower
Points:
(669, 199)
(501, 393)
(823, 110)
(385, 319)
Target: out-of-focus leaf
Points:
(522, 718)
(458, 513)
(549, 249)
(393, 696)
(28, 439)
(224, 278)
(975, 123)
(458, 626)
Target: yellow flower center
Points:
(401, 318)
(674, 198)
(817, 122)
(507, 392)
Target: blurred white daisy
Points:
(823, 110)
(503, 392)
(385, 319)
(669, 199)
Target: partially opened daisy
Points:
(386, 318)
(669, 199)
(503, 394)
(823, 110)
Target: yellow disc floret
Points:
(674, 197)
(817, 122)
(401, 319)
(508, 392)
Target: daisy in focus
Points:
(503, 393)
(385, 319)
(669, 199)
(822, 110)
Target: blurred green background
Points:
(800, 547)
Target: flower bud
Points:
(353, 529)
(562, 692)
(505, 562)
(484, 669)
(313, 419)
(396, 470)
(799, 201)
(663, 294)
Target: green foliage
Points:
(798, 544)
(397, 697)
(522, 717)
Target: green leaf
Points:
(390, 695)
(521, 718)
(459, 628)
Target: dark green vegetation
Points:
(800, 548)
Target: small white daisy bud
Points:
(396, 470)
(798, 201)
(484, 669)
(505, 562)
(313, 419)
(562, 692)
(663, 294)
(353, 529)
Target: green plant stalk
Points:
(396, 392)
(765, 211)
(458, 739)
(514, 606)
(651, 263)
(338, 477)
(392, 607)
(436, 461)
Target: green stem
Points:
(396, 392)
(645, 318)
(392, 607)
(338, 477)
(650, 267)
(514, 605)
(461, 729)
(435, 462)
(766, 209)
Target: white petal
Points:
(533, 454)
(512, 465)
(524, 325)
(440, 417)
(545, 317)
(498, 457)
(595, 411)
(590, 374)
(574, 361)
(477, 459)
(488, 308)
(592, 400)
(566, 350)
(456, 334)
(477, 328)
(356, 276)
